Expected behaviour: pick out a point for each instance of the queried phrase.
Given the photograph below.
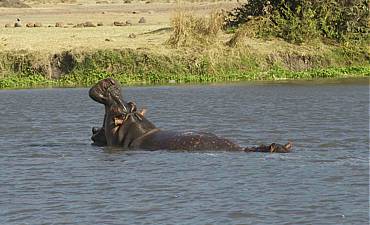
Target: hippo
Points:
(127, 127)
(108, 93)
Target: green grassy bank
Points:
(219, 63)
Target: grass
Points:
(52, 40)
(190, 30)
(79, 79)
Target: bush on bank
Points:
(135, 68)
(300, 20)
(73, 68)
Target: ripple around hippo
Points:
(125, 126)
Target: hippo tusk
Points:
(119, 102)
(118, 121)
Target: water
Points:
(50, 174)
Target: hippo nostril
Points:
(95, 130)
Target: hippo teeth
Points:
(118, 121)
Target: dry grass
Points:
(103, 2)
(247, 30)
(189, 30)
(52, 39)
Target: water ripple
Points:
(52, 175)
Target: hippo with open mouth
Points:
(126, 126)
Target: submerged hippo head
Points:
(277, 148)
(273, 148)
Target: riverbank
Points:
(140, 68)
(73, 68)
(141, 53)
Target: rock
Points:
(79, 25)
(127, 1)
(119, 24)
(59, 24)
(8, 25)
(30, 25)
(172, 82)
(89, 24)
(37, 25)
(107, 39)
(100, 24)
(142, 20)
(128, 23)
(18, 24)
(135, 12)
(132, 35)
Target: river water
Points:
(51, 174)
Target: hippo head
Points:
(277, 148)
(107, 92)
(273, 148)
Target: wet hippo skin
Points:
(125, 126)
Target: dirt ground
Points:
(49, 38)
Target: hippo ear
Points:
(142, 112)
(288, 145)
(272, 147)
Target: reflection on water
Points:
(51, 174)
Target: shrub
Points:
(299, 20)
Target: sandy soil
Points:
(52, 38)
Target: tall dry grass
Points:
(247, 30)
(190, 30)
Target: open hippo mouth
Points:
(122, 114)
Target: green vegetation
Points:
(79, 79)
(300, 20)
(135, 67)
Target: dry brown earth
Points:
(53, 39)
